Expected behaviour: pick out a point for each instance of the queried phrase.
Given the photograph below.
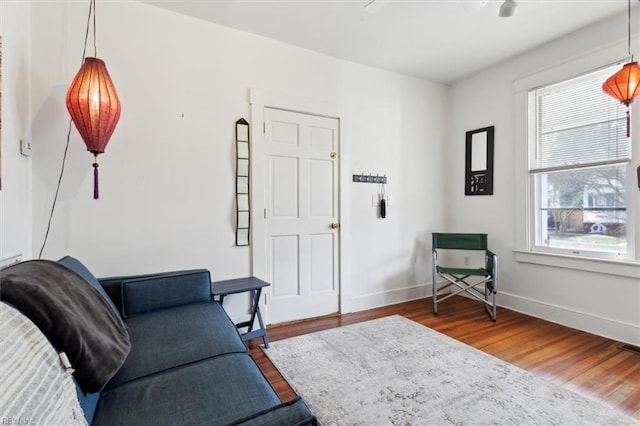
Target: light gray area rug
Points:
(395, 371)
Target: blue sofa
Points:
(187, 363)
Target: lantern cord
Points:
(628, 29)
(92, 13)
(66, 148)
(95, 42)
(55, 198)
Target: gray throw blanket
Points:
(72, 314)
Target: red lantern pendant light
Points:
(94, 106)
(625, 84)
(93, 102)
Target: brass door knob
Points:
(335, 225)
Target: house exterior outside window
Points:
(578, 169)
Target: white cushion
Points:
(36, 388)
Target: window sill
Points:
(602, 266)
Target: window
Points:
(579, 155)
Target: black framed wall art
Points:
(479, 161)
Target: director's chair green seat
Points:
(454, 251)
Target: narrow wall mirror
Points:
(242, 183)
(479, 162)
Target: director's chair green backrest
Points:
(459, 241)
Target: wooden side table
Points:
(242, 285)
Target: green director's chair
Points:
(453, 260)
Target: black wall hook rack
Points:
(369, 178)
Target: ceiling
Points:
(439, 40)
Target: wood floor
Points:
(590, 365)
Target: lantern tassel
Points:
(628, 124)
(95, 181)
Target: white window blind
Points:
(578, 168)
(577, 125)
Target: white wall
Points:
(600, 303)
(15, 196)
(167, 177)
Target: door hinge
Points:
(264, 127)
(265, 212)
(265, 299)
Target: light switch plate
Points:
(25, 148)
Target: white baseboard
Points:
(10, 259)
(606, 327)
(390, 297)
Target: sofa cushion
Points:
(165, 290)
(215, 391)
(290, 413)
(36, 389)
(72, 314)
(176, 336)
(77, 266)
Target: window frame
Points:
(525, 247)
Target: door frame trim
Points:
(260, 99)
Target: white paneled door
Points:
(301, 214)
